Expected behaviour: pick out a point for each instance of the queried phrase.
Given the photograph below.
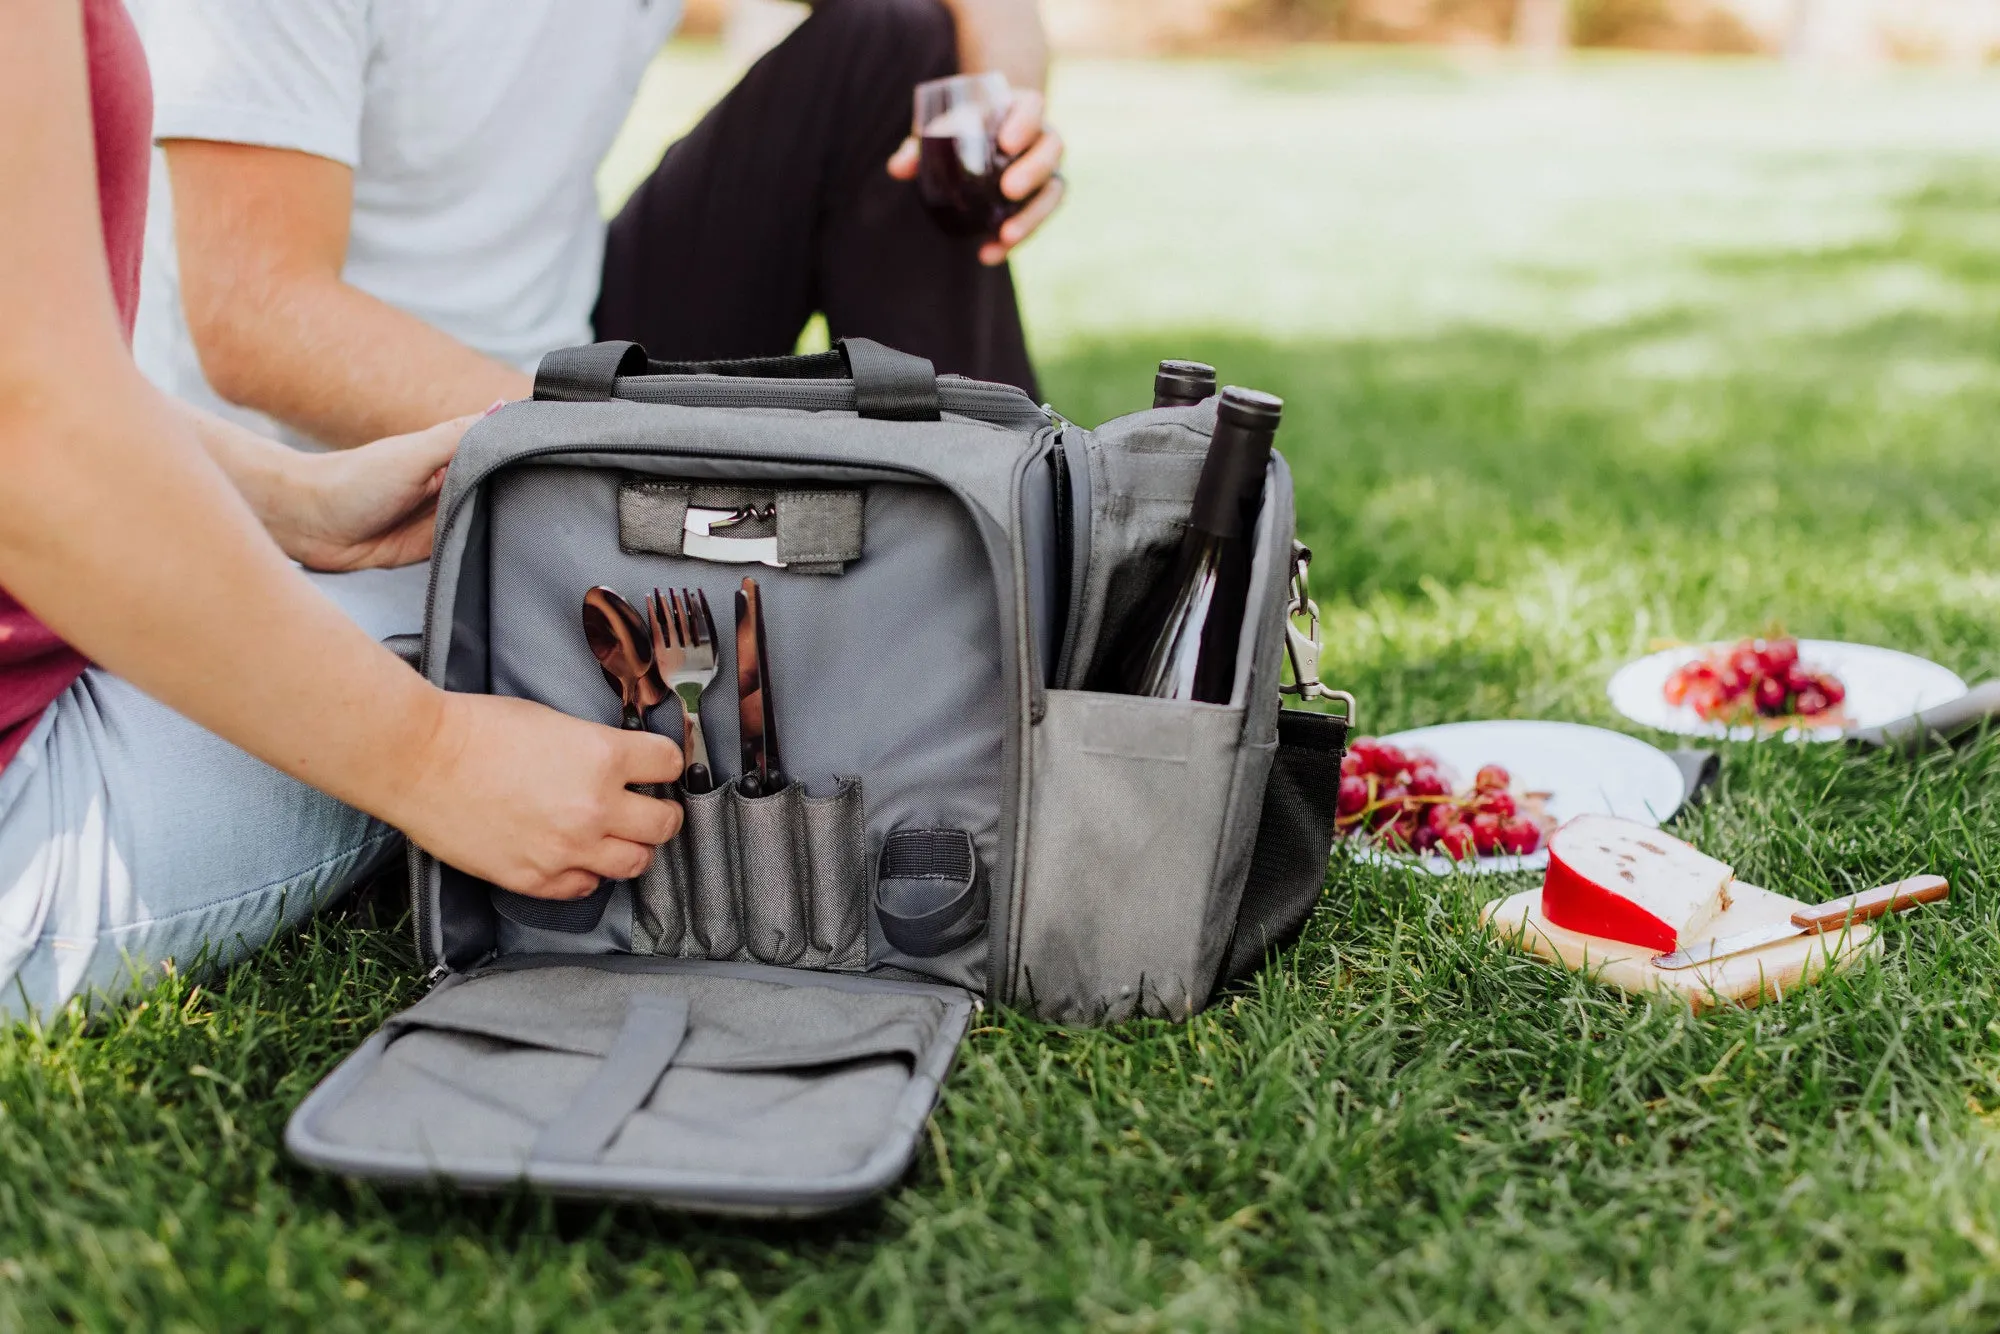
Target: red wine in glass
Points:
(959, 168)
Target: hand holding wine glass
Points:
(984, 160)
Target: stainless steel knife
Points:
(762, 773)
(1835, 915)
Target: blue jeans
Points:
(130, 836)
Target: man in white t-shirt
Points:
(376, 214)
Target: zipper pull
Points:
(1056, 419)
(435, 976)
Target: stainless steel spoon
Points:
(619, 641)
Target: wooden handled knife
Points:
(1834, 915)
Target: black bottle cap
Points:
(1182, 382)
(1252, 409)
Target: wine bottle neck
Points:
(1237, 458)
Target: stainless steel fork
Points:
(684, 655)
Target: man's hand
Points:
(535, 801)
(1037, 151)
(368, 507)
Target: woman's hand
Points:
(533, 800)
(368, 507)
(1038, 153)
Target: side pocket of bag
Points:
(1130, 799)
(1294, 839)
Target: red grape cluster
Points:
(1760, 678)
(1402, 799)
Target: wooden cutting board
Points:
(1743, 979)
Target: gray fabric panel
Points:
(551, 1062)
(836, 840)
(1130, 798)
(771, 843)
(764, 1125)
(405, 1131)
(923, 724)
(623, 1081)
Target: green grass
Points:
(1778, 403)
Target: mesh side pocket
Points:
(1294, 838)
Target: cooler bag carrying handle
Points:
(888, 385)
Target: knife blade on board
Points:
(1831, 916)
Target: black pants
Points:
(777, 205)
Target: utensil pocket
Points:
(780, 879)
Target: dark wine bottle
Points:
(1182, 645)
(1181, 383)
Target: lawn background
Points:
(1574, 360)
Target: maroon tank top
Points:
(35, 666)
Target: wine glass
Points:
(958, 172)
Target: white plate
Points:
(1585, 770)
(1882, 686)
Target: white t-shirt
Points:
(474, 128)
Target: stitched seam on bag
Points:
(1151, 756)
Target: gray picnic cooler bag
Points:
(761, 1022)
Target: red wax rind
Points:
(1580, 905)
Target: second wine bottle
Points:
(1182, 644)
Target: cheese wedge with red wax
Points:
(1621, 880)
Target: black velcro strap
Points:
(927, 854)
(587, 374)
(889, 385)
(929, 896)
(571, 916)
